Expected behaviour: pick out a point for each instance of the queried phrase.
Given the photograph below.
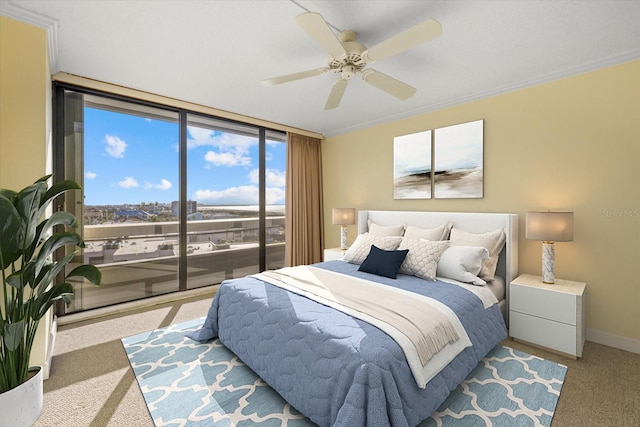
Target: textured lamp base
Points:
(343, 237)
(548, 262)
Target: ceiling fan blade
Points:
(295, 76)
(319, 30)
(388, 84)
(414, 36)
(335, 96)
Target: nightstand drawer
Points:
(557, 306)
(546, 333)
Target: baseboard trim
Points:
(615, 341)
(46, 366)
(133, 305)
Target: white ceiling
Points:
(216, 52)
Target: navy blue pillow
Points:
(383, 263)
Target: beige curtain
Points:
(304, 223)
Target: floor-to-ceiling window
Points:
(171, 200)
(224, 221)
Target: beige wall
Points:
(573, 144)
(24, 86)
(25, 122)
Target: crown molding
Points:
(617, 59)
(12, 10)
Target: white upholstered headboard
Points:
(470, 222)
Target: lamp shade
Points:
(549, 226)
(343, 216)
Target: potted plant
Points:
(29, 286)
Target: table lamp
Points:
(343, 217)
(549, 227)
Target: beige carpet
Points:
(91, 383)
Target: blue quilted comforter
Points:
(337, 370)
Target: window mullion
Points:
(182, 228)
(262, 209)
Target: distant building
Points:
(192, 207)
(129, 214)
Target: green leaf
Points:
(59, 188)
(49, 272)
(9, 194)
(55, 190)
(44, 178)
(54, 242)
(13, 335)
(58, 218)
(43, 303)
(27, 202)
(89, 272)
(15, 280)
(11, 230)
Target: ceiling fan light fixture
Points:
(348, 72)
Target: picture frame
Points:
(412, 166)
(459, 161)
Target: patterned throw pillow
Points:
(359, 250)
(422, 259)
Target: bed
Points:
(335, 366)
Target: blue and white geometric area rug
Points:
(508, 388)
(185, 383)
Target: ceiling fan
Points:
(348, 57)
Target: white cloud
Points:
(228, 149)
(164, 185)
(90, 175)
(227, 159)
(115, 146)
(272, 143)
(243, 195)
(274, 177)
(274, 195)
(128, 182)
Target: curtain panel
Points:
(304, 227)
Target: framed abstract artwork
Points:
(458, 161)
(412, 166)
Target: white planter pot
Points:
(21, 406)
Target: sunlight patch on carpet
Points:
(185, 383)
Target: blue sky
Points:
(131, 159)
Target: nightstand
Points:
(548, 315)
(334, 253)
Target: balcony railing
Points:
(141, 259)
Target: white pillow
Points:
(493, 241)
(438, 233)
(390, 230)
(423, 256)
(463, 263)
(359, 250)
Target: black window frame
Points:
(58, 148)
